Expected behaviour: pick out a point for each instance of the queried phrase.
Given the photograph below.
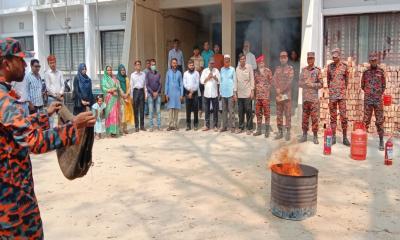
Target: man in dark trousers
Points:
(373, 83)
(310, 82)
(191, 81)
(338, 78)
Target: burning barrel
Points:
(293, 191)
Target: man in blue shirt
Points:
(228, 77)
(207, 53)
(176, 53)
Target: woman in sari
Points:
(111, 90)
(82, 93)
(126, 102)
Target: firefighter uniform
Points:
(338, 77)
(373, 83)
(282, 81)
(310, 82)
(263, 83)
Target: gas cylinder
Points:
(327, 140)
(359, 139)
(387, 100)
(389, 152)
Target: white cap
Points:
(227, 56)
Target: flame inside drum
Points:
(285, 162)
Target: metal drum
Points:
(294, 197)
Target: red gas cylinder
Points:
(327, 140)
(387, 100)
(359, 140)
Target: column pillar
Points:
(92, 45)
(41, 43)
(228, 29)
(128, 35)
(312, 34)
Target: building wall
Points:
(11, 25)
(14, 3)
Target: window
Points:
(112, 43)
(26, 43)
(357, 35)
(74, 54)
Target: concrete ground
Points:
(206, 185)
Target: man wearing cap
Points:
(282, 82)
(228, 77)
(210, 78)
(244, 92)
(373, 83)
(19, 211)
(310, 82)
(263, 83)
(337, 78)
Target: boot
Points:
(346, 141)
(267, 131)
(333, 139)
(381, 144)
(315, 140)
(287, 137)
(304, 137)
(258, 131)
(280, 134)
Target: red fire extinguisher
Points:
(389, 152)
(328, 134)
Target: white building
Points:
(141, 29)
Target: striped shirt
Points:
(35, 89)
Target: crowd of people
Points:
(27, 121)
(209, 83)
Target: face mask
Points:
(153, 68)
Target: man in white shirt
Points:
(250, 57)
(244, 92)
(139, 95)
(210, 77)
(54, 84)
(191, 81)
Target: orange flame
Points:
(284, 162)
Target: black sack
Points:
(75, 160)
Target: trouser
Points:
(192, 105)
(138, 107)
(262, 107)
(30, 228)
(201, 102)
(154, 103)
(228, 113)
(173, 117)
(146, 107)
(378, 109)
(310, 109)
(244, 109)
(333, 105)
(284, 108)
(214, 102)
(52, 119)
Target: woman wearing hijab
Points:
(111, 90)
(83, 95)
(126, 103)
